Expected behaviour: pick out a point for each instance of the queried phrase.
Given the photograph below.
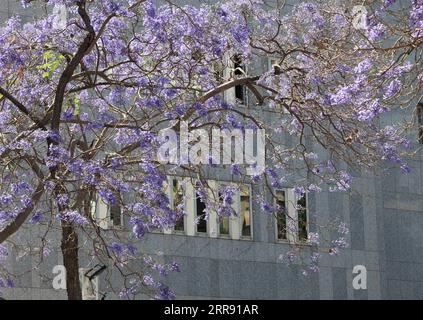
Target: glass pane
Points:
(240, 91)
(302, 218)
(224, 226)
(200, 208)
(281, 214)
(223, 221)
(116, 214)
(178, 198)
(245, 211)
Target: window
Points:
(93, 208)
(420, 122)
(178, 204)
(187, 198)
(219, 72)
(200, 208)
(106, 215)
(245, 214)
(239, 71)
(302, 218)
(115, 213)
(291, 216)
(281, 215)
(89, 287)
(273, 66)
(224, 222)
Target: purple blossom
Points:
(7, 283)
(363, 66)
(340, 243)
(139, 230)
(62, 200)
(149, 281)
(314, 188)
(165, 293)
(19, 187)
(342, 228)
(405, 169)
(174, 267)
(376, 32)
(393, 88)
(74, 217)
(267, 207)
(313, 238)
(315, 257)
(388, 3)
(299, 191)
(108, 196)
(288, 257)
(46, 251)
(36, 217)
(236, 169)
(6, 199)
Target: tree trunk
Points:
(70, 260)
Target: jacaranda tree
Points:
(85, 90)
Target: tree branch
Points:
(21, 218)
(67, 74)
(22, 108)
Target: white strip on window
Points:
(190, 198)
(213, 221)
(89, 287)
(169, 192)
(102, 214)
(245, 217)
(292, 216)
(234, 221)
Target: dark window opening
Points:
(239, 71)
(302, 218)
(178, 199)
(223, 221)
(218, 72)
(245, 212)
(281, 214)
(200, 210)
(116, 215)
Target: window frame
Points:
(270, 64)
(291, 203)
(250, 195)
(212, 223)
(284, 190)
(101, 214)
(230, 95)
(200, 234)
(170, 194)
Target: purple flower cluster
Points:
(74, 217)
